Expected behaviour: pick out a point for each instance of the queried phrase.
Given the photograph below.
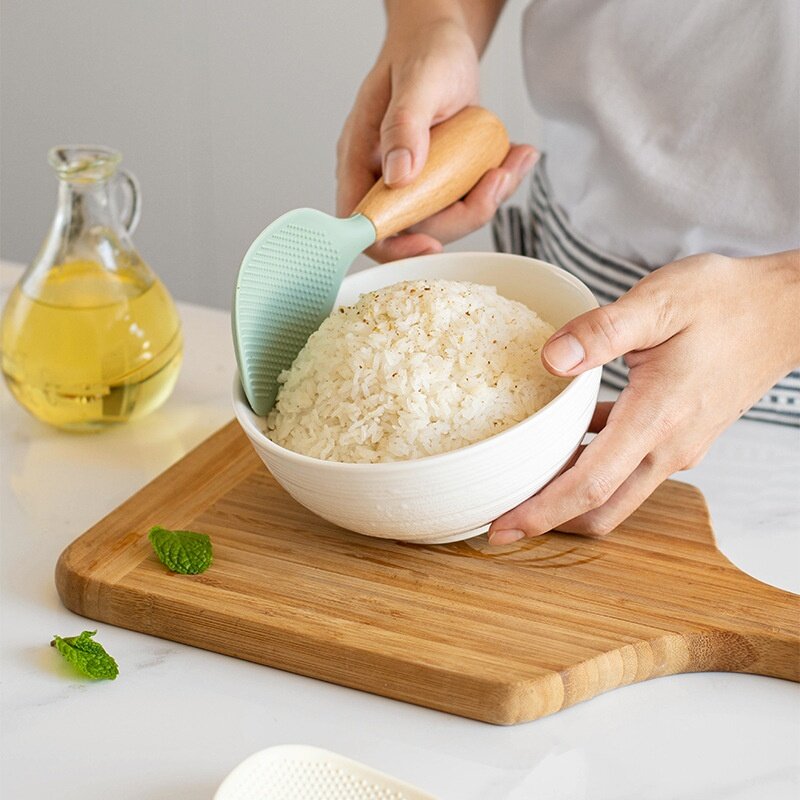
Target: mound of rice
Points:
(418, 368)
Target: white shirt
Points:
(671, 127)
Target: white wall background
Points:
(228, 113)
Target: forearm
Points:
(477, 17)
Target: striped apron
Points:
(545, 233)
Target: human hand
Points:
(705, 338)
(421, 77)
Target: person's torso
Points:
(673, 127)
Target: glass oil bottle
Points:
(90, 336)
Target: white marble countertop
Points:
(178, 719)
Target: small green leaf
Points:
(186, 552)
(87, 656)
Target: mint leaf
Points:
(186, 552)
(87, 656)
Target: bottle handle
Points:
(131, 187)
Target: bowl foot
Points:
(447, 538)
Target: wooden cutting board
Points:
(503, 634)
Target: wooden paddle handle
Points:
(463, 148)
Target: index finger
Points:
(358, 166)
(600, 470)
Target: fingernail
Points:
(501, 188)
(506, 537)
(563, 353)
(396, 165)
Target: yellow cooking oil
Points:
(85, 347)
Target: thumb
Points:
(640, 319)
(405, 132)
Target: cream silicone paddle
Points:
(300, 772)
(289, 278)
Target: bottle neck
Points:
(86, 226)
(82, 207)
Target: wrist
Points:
(405, 16)
(475, 18)
(781, 280)
(438, 38)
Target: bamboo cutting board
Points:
(503, 634)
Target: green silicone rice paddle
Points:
(291, 274)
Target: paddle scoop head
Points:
(286, 287)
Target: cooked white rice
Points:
(418, 368)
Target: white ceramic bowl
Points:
(454, 495)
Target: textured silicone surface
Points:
(299, 772)
(286, 287)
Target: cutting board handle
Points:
(752, 627)
(463, 148)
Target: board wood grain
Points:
(503, 634)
